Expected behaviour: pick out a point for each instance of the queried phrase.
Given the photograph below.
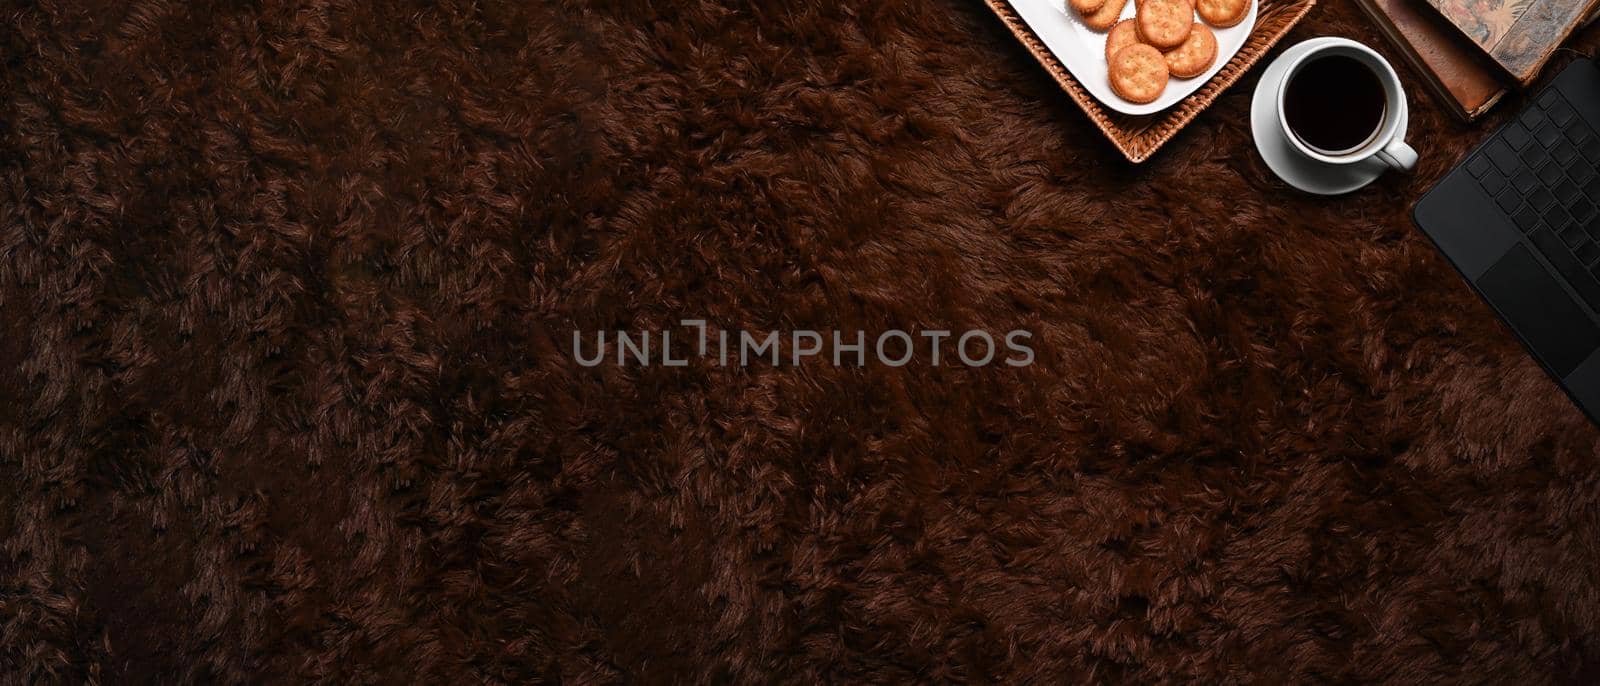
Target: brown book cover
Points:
(1519, 35)
(1455, 72)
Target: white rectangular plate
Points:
(1083, 51)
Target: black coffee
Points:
(1334, 103)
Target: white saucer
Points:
(1294, 168)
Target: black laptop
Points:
(1520, 218)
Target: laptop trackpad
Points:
(1536, 306)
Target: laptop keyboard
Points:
(1543, 170)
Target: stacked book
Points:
(1469, 52)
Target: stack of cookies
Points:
(1161, 41)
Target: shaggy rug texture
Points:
(287, 299)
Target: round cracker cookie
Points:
(1085, 6)
(1102, 19)
(1124, 34)
(1196, 54)
(1138, 73)
(1222, 13)
(1165, 24)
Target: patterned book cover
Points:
(1519, 34)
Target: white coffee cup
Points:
(1385, 143)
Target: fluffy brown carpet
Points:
(288, 288)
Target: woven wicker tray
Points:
(1139, 137)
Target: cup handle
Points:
(1399, 155)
